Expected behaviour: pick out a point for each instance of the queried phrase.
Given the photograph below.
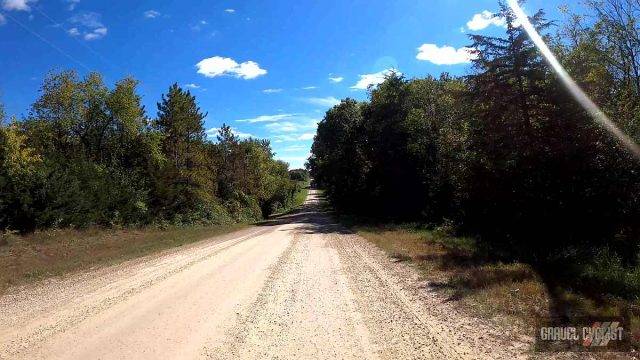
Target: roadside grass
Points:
(508, 293)
(45, 254)
(302, 194)
(298, 200)
(450, 265)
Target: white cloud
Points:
(3, 20)
(268, 118)
(96, 34)
(329, 101)
(284, 126)
(292, 137)
(17, 5)
(309, 88)
(198, 26)
(336, 79)
(445, 55)
(221, 66)
(485, 19)
(271, 91)
(192, 86)
(87, 19)
(295, 148)
(294, 161)
(295, 129)
(89, 25)
(307, 136)
(374, 79)
(213, 132)
(230, 11)
(72, 4)
(151, 14)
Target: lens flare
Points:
(575, 90)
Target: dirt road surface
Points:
(300, 287)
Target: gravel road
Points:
(300, 287)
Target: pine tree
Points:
(184, 182)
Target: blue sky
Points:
(269, 69)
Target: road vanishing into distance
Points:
(298, 287)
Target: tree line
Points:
(504, 154)
(89, 155)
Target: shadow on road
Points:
(313, 216)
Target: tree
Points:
(183, 182)
(299, 175)
(227, 149)
(87, 155)
(94, 170)
(512, 181)
(19, 166)
(505, 154)
(339, 161)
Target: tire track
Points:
(406, 334)
(30, 340)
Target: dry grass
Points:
(51, 253)
(512, 293)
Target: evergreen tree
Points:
(183, 182)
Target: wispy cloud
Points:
(268, 118)
(295, 128)
(284, 126)
(295, 148)
(87, 19)
(272, 91)
(151, 14)
(3, 20)
(96, 34)
(72, 4)
(17, 5)
(294, 160)
(307, 136)
(89, 26)
(374, 79)
(309, 88)
(230, 11)
(192, 86)
(329, 101)
(283, 138)
(336, 79)
(221, 66)
(445, 55)
(213, 132)
(198, 26)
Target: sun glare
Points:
(571, 85)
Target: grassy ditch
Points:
(510, 293)
(40, 255)
(45, 254)
(302, 194)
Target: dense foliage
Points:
(505, 153)
(299, 175)
(88, 155)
